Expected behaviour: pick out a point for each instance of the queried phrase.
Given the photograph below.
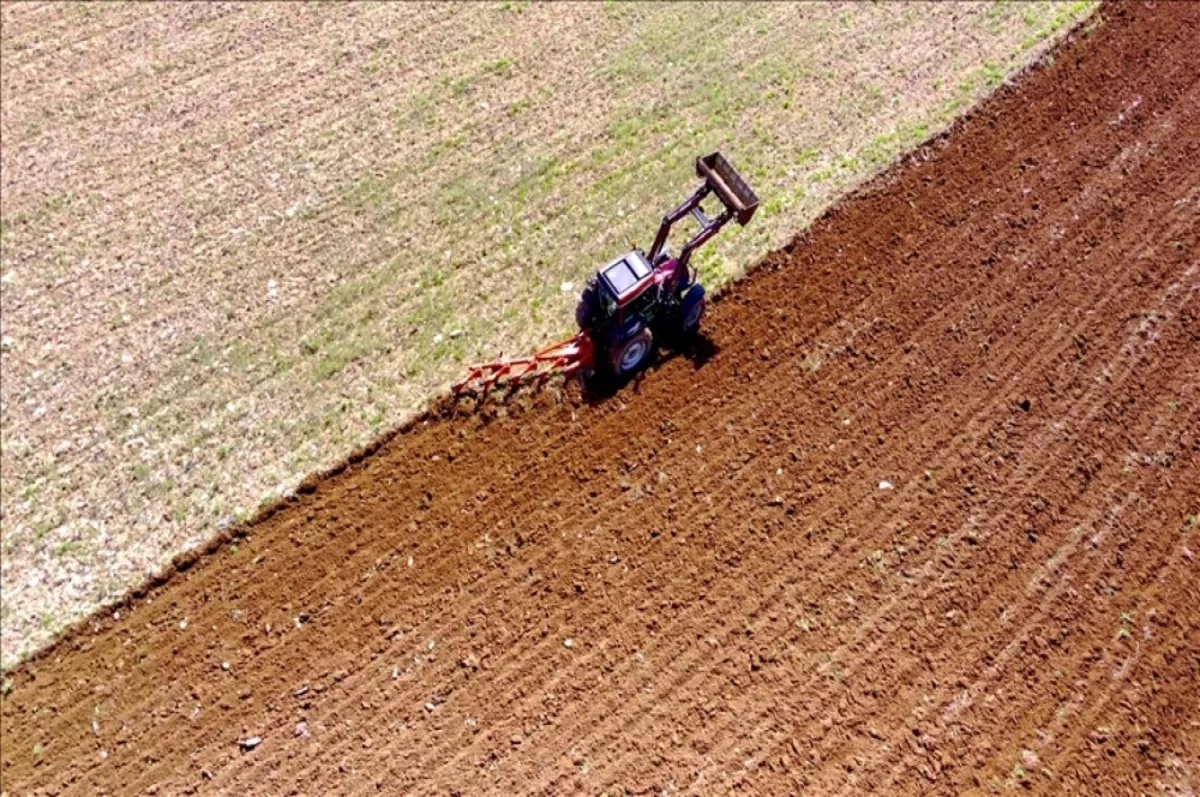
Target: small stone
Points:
(251, 743)
(458, 333)
(568, 643)
(885, 485)
(301, 730)
(301, 691)
(183, 624)
(515, 740)
(613, 559)
(430, 707)
(225, 666)
(567, 287)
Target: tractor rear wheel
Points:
(692, 309)
(628, 355)
(588, 307)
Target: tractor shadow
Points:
(697, 349)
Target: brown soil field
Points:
(917, 517)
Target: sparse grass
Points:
(68, 548)
(459, 195)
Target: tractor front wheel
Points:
(692, 309)
(629, 355)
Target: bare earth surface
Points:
(239, 239)
(919, 519)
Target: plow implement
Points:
(566, 357)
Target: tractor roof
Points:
(627, 276)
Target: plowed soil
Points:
(919, 518)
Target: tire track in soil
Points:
(1030, 614)
(875, 646)
(1117, 386)
(745, 563)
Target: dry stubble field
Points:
(238, 240)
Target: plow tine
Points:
(565, 357)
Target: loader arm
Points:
(721, 180)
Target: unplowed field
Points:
(918, 517)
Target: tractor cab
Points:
(624, 289)
(626, 278)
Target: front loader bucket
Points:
(728, 185)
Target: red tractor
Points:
(637, 299)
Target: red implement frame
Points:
(565, 357)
